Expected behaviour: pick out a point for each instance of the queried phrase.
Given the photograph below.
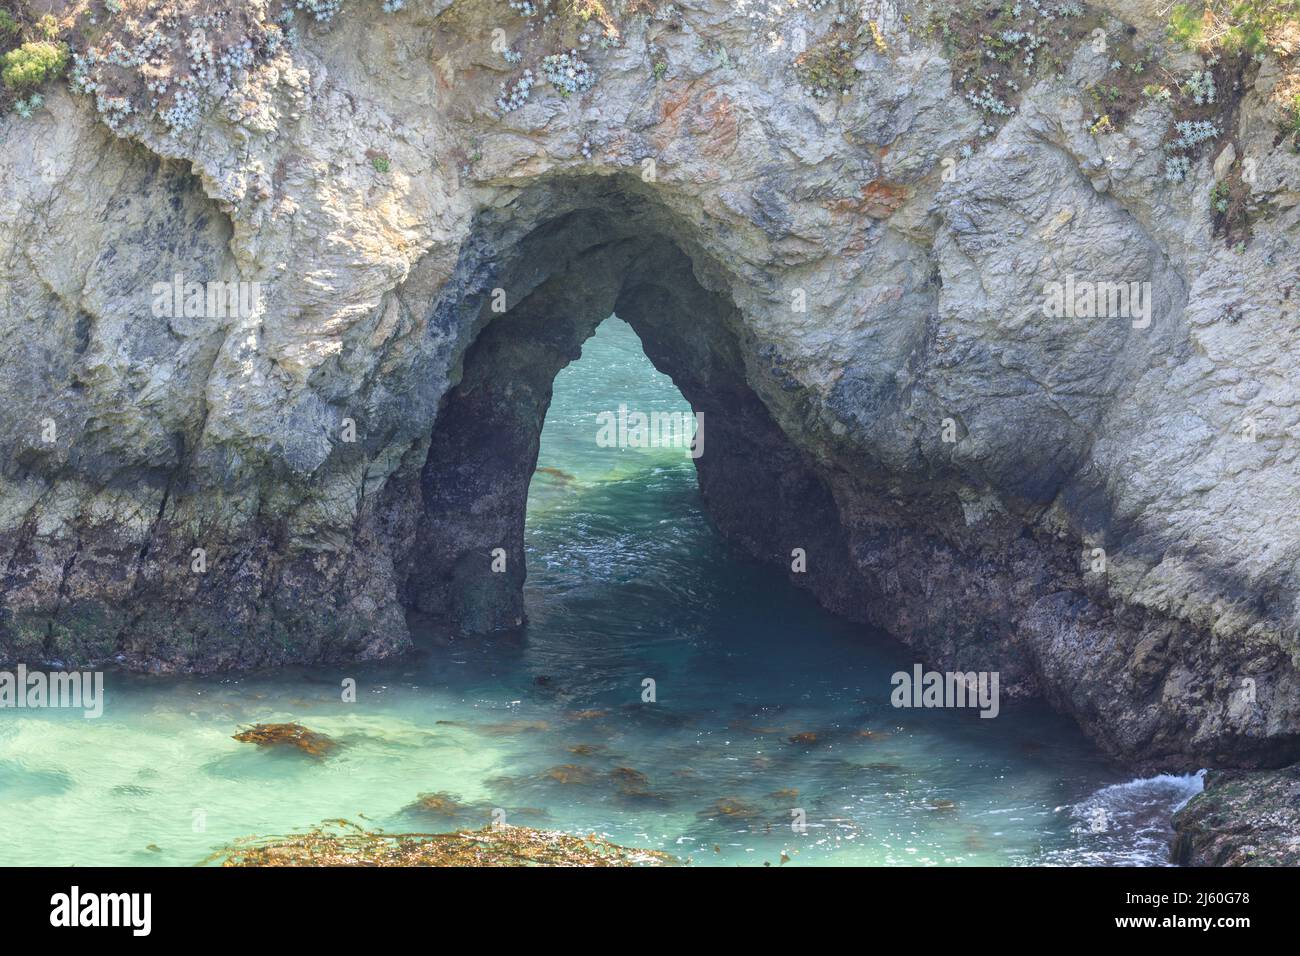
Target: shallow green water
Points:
(626, 582)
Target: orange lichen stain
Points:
(878, 199)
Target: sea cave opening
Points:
(602, 249)
(660, 672)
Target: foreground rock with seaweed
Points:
(1241, 818)
(287, 286)
(342, 843)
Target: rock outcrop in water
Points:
(1242, 818)
(852, 287)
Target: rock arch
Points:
(614, 250)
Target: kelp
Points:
(732, 807)
(439, 804)
(570, 774)
(630, 780)
(344, 843)
(289, 735)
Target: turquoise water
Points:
(547, 726)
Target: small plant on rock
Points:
(1292, 125)
(27, 108)
(32, 64)
(568, 73)
(1230, 25)
(827, 67)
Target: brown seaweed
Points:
(570, 774)
(288, 735)
(439, 804)
(342, 843)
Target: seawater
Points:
(769, 713)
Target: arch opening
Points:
(613, 252)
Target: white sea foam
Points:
(1128, 824)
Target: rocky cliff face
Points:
(836, 233)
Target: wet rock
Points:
(1241, 818)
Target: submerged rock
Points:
(570, 774)
(731, 808)
(289, 735)
(630, 780)
(511, 728)
(439, 804)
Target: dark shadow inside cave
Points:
(613, 250)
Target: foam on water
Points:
(1128, 823)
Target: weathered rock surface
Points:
(1242, 818)
(815, 277)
